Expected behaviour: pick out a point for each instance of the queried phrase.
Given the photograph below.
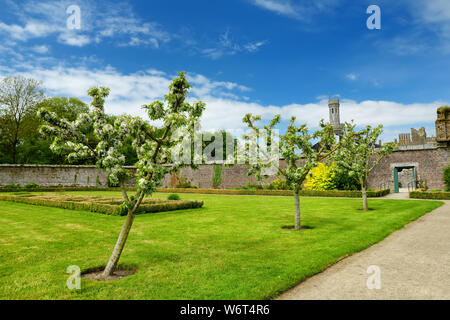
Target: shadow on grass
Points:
(96, 273)
(301, 228)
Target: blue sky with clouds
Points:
(259, 56)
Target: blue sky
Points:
(259, 56)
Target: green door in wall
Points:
(396, 189)
(395, 174)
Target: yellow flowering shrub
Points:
(321, 178)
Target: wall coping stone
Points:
(54, 166)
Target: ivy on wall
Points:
(217, 177)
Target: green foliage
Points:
(124, 207)
(358, 154)
(278, 184)
(430, 195)
(296, 146)
(109, 206)
(446, 178)
(11, 186)
(444, 109)
(156, 148)
(265, 192)
(344, 181)
(16, 187)
(185, 185)
(67, 108)
(19, 98)
(251, 186)
(173, 196)
(153, 145)
(33, 147)
(31, 186)
(112, 184)
(217, 178)
(422, 185)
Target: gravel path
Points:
(414, 263)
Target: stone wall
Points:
(83, 176)
(232, 177)
(429, 164)
(52, 175)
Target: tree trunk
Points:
(14, 146)
(124, 192)
(364, 197)
(297, 211)
(120, 244)
(13, 155)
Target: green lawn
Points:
(232, 248)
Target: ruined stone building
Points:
(415, 139)
(419, 160)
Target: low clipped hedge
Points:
(310, 193)
(307, 193)
(58, 189)
(101, 205)
(429, 195)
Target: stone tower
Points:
(443, 126)
(335, 120)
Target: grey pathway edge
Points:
(414, 263)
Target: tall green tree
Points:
(66, 107)
(296, 146)
(360, 154)
(35, 148)
(19, 98)
(154, 145)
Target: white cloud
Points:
(303, 10)
(405, 45)
(280, 7)
(435, 12)
(428, 28)
(99, 21)
(41, 49)
(28, 31)
(351, 76)
(74, 39)
(102, 22)
(254, 46)
(228, 46)
(435, 15)
(225, 105)
(225, 113)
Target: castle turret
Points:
(443, 126)
(335, 120)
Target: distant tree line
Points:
(20, 140)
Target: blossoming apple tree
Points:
(296, 146)
(360, 154)
(154, 143)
